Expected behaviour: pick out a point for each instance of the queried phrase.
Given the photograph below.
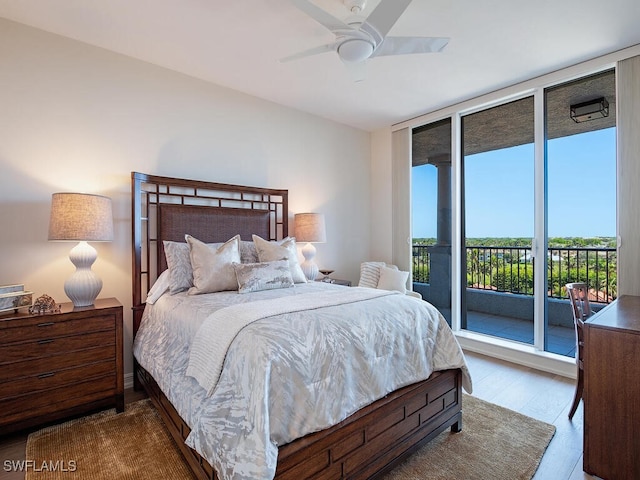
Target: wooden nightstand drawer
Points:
(42, 403)
(56, 378)
(47, 326)
(61, 364)
(40, 366)
(46, 347)
(54, 346)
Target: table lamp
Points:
(82, 218)
(309, 227)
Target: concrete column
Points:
(440, 253)
(443, 164)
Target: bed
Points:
(336, 442)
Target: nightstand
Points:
(336, 281)
(59, 365)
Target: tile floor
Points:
(560, 340)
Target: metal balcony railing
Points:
(510, 269)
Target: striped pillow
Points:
(370, 273)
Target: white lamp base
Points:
(83, 286)
(309, 266)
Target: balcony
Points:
(499, 295)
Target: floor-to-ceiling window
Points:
(508, 289)
(498, 220)
(580, 134)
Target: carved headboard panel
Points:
(165, 208)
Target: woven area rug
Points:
(495, 443)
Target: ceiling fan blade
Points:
(384, 16)
(309, 52)
(320, 16)
(407, 45)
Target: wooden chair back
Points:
(579, 295)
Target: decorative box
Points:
(13, 297)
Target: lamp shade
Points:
(309, 227)
(80, 217)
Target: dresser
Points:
(612, 391)
(58, 365)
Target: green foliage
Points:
(525, 242)
(504, 264)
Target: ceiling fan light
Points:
(355, 50)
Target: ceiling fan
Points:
(359, 38)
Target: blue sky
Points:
(499, 190)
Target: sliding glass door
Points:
(498, 221)
(538, 210)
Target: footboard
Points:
(365, 445)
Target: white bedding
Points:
(329, 361)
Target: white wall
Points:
(381, 198)
(78, 118)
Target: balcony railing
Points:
(510, 269)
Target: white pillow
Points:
(213, 269)
(284, 249)
(160, 286)
(253, 277)
(393, 279)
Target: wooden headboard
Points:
(165, 208)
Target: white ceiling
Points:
(237, 44)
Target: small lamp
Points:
(83, 218)
(309, 227)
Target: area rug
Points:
(495, 443)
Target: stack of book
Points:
(13, 297)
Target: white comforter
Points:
(290, 374)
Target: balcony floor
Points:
(561, 340)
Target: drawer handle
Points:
(47, 340)
(46, 324)
(46, 375)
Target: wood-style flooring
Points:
(540, 395)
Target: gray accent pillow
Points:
(179, 266)
(284, 249)
(253, 277)
(248, 252)
(213, 268)
(179, 262)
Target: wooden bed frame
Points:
(367, 444)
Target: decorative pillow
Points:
(393, 279)
(253, 277)
(370, 273)
(179, 266)
(248, 252)
(284, 249)
(160, 286)
(212, 269)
